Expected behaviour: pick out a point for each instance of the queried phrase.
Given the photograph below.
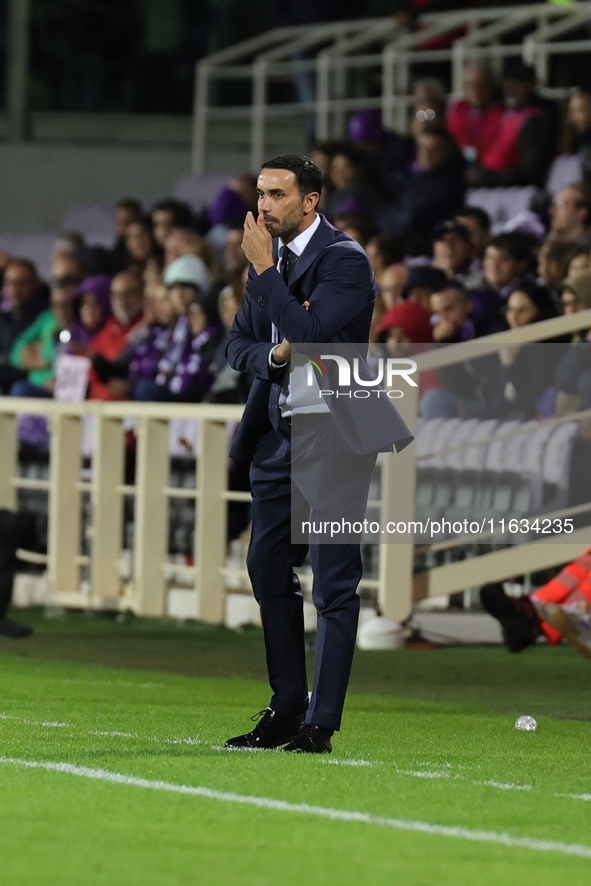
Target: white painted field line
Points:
(99, 733)
(399, 824)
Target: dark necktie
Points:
(288, 262)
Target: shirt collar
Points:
(299, 243)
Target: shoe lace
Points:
(259, 715)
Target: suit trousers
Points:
(285, 493)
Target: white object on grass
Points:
(527, 724)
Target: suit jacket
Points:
(334, 275)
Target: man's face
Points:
(566, 213)
(282, 206)
(570, 302)
(181, 296)
(433, 152)
(124, 216)
(517, 91)
(127, 297)
(391, 282)
(549, 269)
(451, 308)
(19, 284)
(579, 111)
(478, 86)
(233, 252)
(521, 311)
(478, 235)
(61, 303)
(452, 251)
(162, 225)
(138, 241)
(500, 268)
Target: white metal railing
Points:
(337, 48)
(396, 586)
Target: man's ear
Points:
(311, 202)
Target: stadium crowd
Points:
(152, 313)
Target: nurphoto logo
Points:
(388, 369)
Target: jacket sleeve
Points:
(244, 351)
(343, 289)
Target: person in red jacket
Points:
(524, 147)
(474, 120)
(127, 303)
(559, 610)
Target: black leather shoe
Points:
(311, 739)
(519, 620)
(14, 629)
(272, 731)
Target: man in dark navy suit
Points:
(308, 283)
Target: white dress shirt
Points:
(295, 383)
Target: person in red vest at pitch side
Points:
(474, 120)
(559, 610)
(522, 152)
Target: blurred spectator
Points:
(573, 375)
(36, 349)
(144, 253)
(554, 258)
(529, 303)
(507, 260)
(429, 101)
(71, 244)
(477, 221)
(67, 272)
(127, 210)
(579, 115)
(386, 152)
(513, 383)
(91, 308)
(390, 286)
(229, 386)
(453, 252)
(384, 250)
(234, 258)
(474, 120)
(357, 226)
(127, 305)
(169, 214)
(430, 193)
(459, 315)
(452, 308)
(523, 149)
(422, 282)
(227, 208)
(570, 214)
(185, 242)
(22, 299)
(348, 177)
(322, 154)
(406, 323)
(183, 371)
(579, 261)
(576, 292)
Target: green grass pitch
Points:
(429, 783)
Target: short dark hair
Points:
(307, 174)
(477, 213)
(183, 217)
(130, 203)
(517, 244)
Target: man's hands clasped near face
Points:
(257, 243)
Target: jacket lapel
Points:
(322, 238)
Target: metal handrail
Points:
(271, 55)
